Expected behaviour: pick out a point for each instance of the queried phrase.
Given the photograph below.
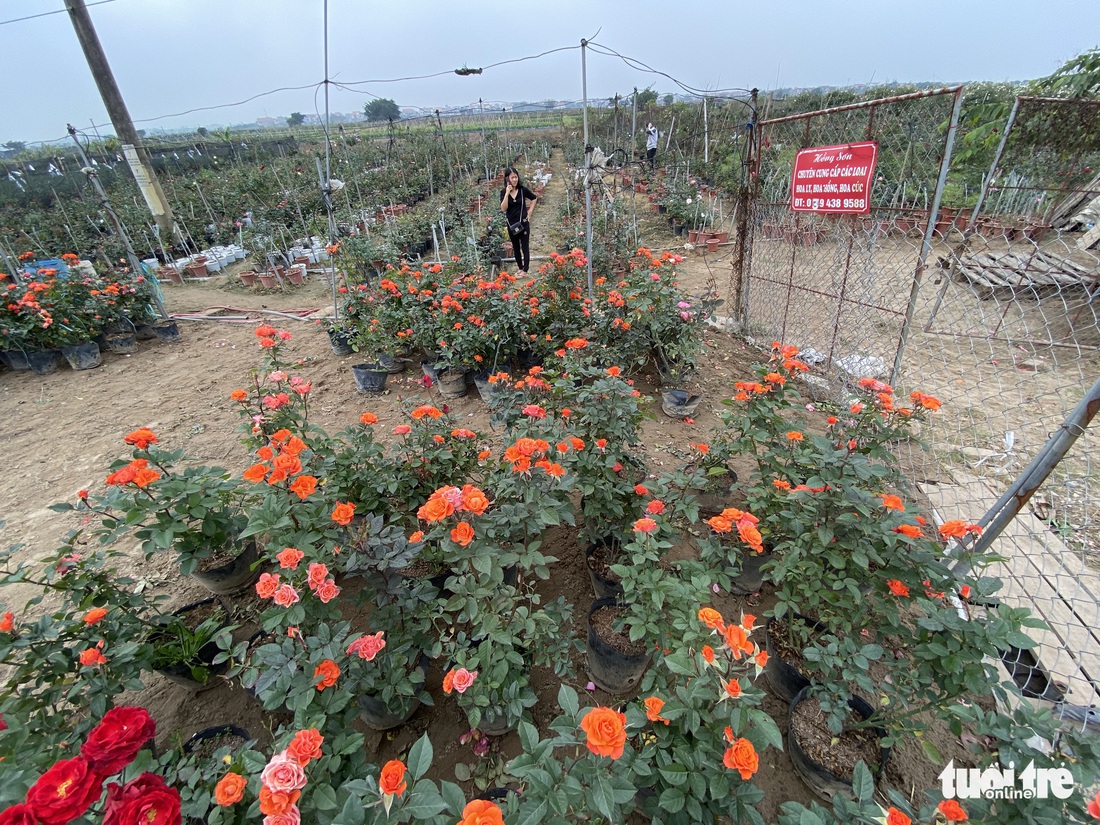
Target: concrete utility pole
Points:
(136, 156)
(633, 120)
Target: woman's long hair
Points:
(508, 172)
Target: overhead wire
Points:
(55, 11)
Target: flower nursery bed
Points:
(206, 397)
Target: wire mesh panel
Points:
(1008, 334)
(838, 285)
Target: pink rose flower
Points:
(367, 647)
(283, 773)
(453, 496)
(317, 574)
(463, 679)
(286, 595)
(327, 590)
(291, 816)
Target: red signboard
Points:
(834, 178)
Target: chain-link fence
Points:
(1008, 333)
(992, 309)
(838, 285)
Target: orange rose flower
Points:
(391, 781)
(93, 656)
(897, 588)
(289, 557)
(720, 524)
(708, 654)
(304, 486)
(144, 477)
(606, 730)
(95, 615)
(481, 812)
(896, 817)
(711, 618)
(255, 473)
(645, 525)
(953, 811)
(7, 623)
(910, 530)
(474, 500)
(238, 395)
(741, 757)
(273, 803)
(653, 707)
(368, 418)
(328, 671)
(794, 435)
(892, 502)
(435, 509)
(305, 746)
(230, 789)
(462, 534)
(141, 438)
(343, 512)
(289, 464)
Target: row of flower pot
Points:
(87, 355)
(273, 278)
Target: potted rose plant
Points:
(199, 513)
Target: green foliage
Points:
(295, 119)
(382, 109)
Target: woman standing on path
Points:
(517, 202)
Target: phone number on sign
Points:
(830, 203)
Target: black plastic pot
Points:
(486, 390)
(603, 586)
(16, 359)
(83, 356)
(340, 341)
(784, 680)
(215, 732)
(495, 723)
(452, 383)
(610, 669)
(390, 364)
(369, 377)
(679, 403)
(144, 332)
(123, 343)
(817, 777)
(428, 366)
(526, 358)
(182, 673)
(751, 577)
(234, 575)
(378, 716)
(43, 362)
(167, 331)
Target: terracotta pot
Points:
(169, 273)
(712, 244)
(247, 278)
(267, 280)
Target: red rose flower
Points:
(142, 801)
(115, 741)
(64, 792)
(18, 815)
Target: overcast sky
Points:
(171, 56)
